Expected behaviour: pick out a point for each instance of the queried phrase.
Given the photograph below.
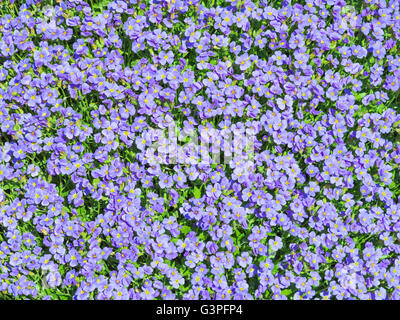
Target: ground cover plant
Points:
(299, 101)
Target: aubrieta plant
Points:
(88, 88)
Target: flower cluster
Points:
(309, 211)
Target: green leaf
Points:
(197, 192)
(185, 230)
(96, 182)
(286, 292)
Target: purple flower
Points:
(75, 197)
(53, 279)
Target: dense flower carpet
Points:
(200, 149)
